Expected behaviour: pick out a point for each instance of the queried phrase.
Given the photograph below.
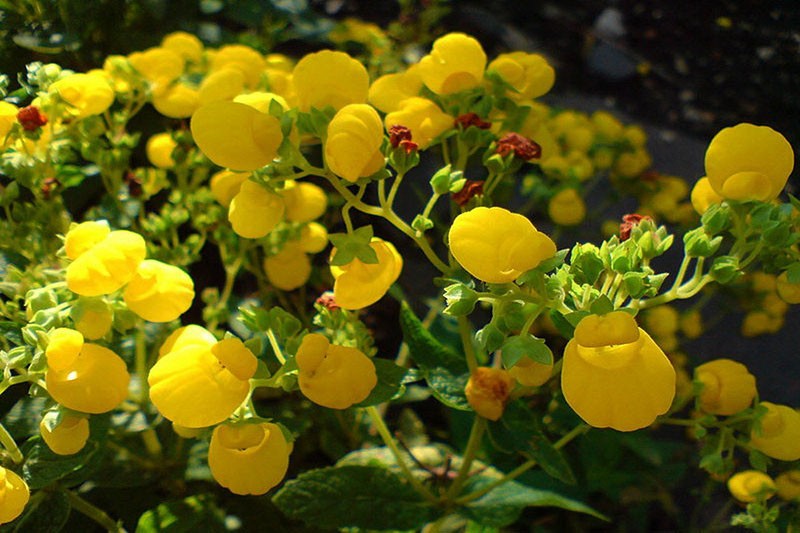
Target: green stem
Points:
(95, 513)
(10, 445)
(141, 363)
(465, 331)
(273, 341)
(473, 445)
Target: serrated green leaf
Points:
(490, 338)
(355, 245)
(448, 388)
(426, 351)
(519, 346)
(42, 467)
(195, 513)
(283, 323)
(390, 381)
(601, 306)
(368, 497)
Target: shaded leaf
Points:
(195, 513)
(425, 349)
(390, 380)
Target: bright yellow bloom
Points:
(159, 292)
(748, 162)
(788, 291)
(313, 237)
(159, 150)
(353, 144)
(424, 118)
(235, 135)
(64, 345)
(242, 58)
(661, 321)
(94, 381)
(488, 390)
(531, 373)
(456, 63)
(255, 211)
(186, 336)
(331, 375)
(92, 317)
(68, 437)
(289, 269)
(728, 387)
(86, 94)
(248, 458)
(358, 285)
(176, 101)
(159, 66)
(703, 196)
(567, 208)
(108, 265)
(496, 245)
(226, 184)
(304, 201)
(8, 117)
(788, 485)
(751, 485)
(529, 74)
(184, 44)
(614, 375)
(82, 237)
(199, 382)
(224, 84)
(14, 495)
(329, 78)
(387, 92)
(779, 435)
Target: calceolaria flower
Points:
(704, 196)
(200, 382)
(567, 208)
(488, 390)
(68, 437)
(751, 485)
(304, 201)
(727, 387)
(748, 162)
(289, 269)
(358, 284)
(329, 78)
(353, 145)
(530, 75)
(226, 184)
(496, 245)
(530, 373)
(255, 211)
(102, 266)
(777, 433)
(788, 485)
(159, 292)
(248, 458)
(14, 495)
(614, 375)
(422, 117)
(455, 63)
(331, 375)
(85, 94)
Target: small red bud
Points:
(628, 223)
(522, 147)
(398, 134)
(327, 301)
(31, 118)
(471, 188)
(472, 119)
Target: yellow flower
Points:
(779, 434)
(304, 201)
(159, 150)
(358, 285)
(488, 390)
(329, 78)
(242, 58)
(529, 74)
(788, 485)
(607, 124)
(68, 437)
(248, 458)
(8, 117)
(456, 63)
(86, 94)
(159, 292)
(788, 291)
(82, 237)
(496, 245)
(662, 321)
(757, 323)
(159, 66)
(748, 162)
(226, 184)
(567, 208)
(93, 381)
(176, 101)
(727, 387)
(387, 92)
(614, 375)
(424, 118)
(186, 45)
(224, 84)
(92, 317)
(313, 237)
(631, 164)
(531, 373)
(703, 196)
(14, 495)
(751, 485)
(255, 211)
(235, 135)
(691, 324)
(186, 336)
(289, 269)
(331, 375)
(108, 265)
(353, 144)
(199, 382)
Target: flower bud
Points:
(333, 376)
(68, 437)
(358, 284)
(778, 434)
(751, 485)
(329, 78)
(159, 292)
(488, 390)
(727, 387)
(14, 495)
(788, 485)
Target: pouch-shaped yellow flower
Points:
(749, 162)
(255, 211)
(158, 65)
(614, 375)
(567, 208)
(200, 383)
(779, 434)
(313, 237)
(223, 84)
(14, 495)
(68, 437)
(387, 92)
(92, 317)
(788, 485)
(488, 390)
(289, 269)
(455, 63)
(8, 117)
(95, 381)
(728, 387)
(86, 94)
(235, 135)
(423, 117)
(186, 336)
(531, 373)
(108, 265)
(751, 485)
(358, 284)
(159, 149)
(530, 75)
(703, 196)
(186, 45)
(242, 58)
(329, 78)
(333, 376)
(176, 101)
(226, 184)
(304, 201)
(82, 237)
(159, 292)
(248, 458)
(353, 144)
(497, 246)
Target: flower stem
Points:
(10, 445)
(273, 341)
(473, 445)
(96, 514)
(466, 339)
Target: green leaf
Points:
(519, 346)
(490, 338)
(42, 467)
(50, 515)
(283, 323)
(390, 381)
(601, 306)
(449, 388)
(368, 497)
(793, 273)
(353, 245)
(428, 353)
(195, 513)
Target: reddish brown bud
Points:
(472, 119)
(31, 118)
(327, 301)
(522, 147)
(398, 134)
(471, 188)
(48, 185)
(628, 223)
(409, 146)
